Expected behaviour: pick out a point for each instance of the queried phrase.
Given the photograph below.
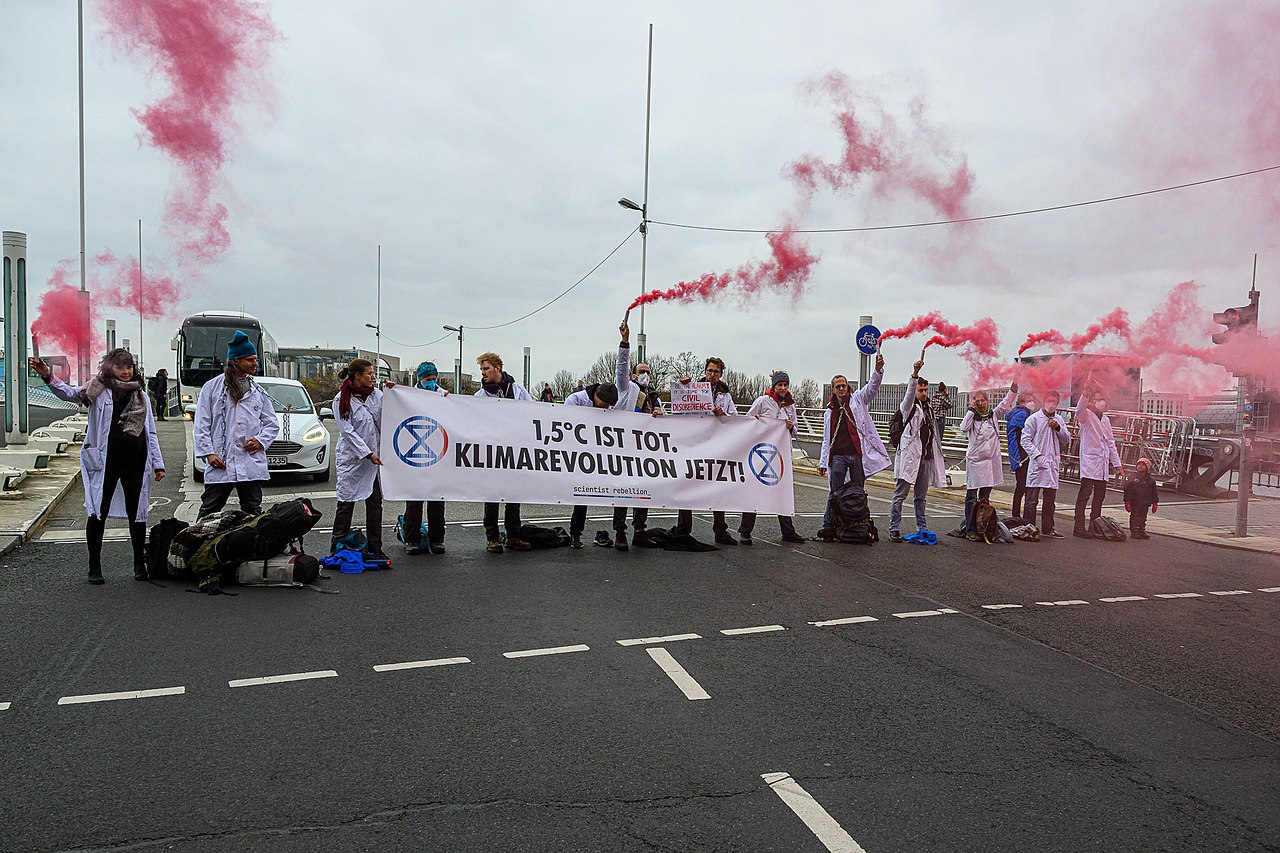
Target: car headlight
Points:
(314, 434)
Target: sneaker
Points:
(725, 539)
(642, 539)
(895, 536)
(620, 540)
(493, 546)
(973, 537)
(575, 541)
(1053, 534)
(1083, 534)
(793, 537)
(744, 539)
(437, 547)
(518, 544)
(412, 550)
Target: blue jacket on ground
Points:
(1014, 422)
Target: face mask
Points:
(642, 379)
(430, 384)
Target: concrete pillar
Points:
(16, 424)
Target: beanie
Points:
(427, 368)
(780, 376)
(608, 393)
(240, 346)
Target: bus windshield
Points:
(204, 352)
(287, 398)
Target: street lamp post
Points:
(643, 207)
(377, 332)
(457, 367)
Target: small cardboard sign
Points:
(694, 397)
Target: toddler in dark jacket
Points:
(1140, 495)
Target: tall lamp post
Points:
(457, 365)
(643, 207)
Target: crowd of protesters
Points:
(234, 424)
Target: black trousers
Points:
(216, 494)
(684, 522)
(1020, 488)
(639, 517)
(511, 521)
(578, 522)
(1138, 518)
(1090, 489)
(129, 478)
(372, 517)
(435, 520)
(1033, 498)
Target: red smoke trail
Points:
(788, 272)
(979, 342)
(1117, 323)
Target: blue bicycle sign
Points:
(868, 337)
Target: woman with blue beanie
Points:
(428, 380)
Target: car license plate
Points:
(277, 461)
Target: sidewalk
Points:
(22, 513)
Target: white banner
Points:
(460, 448)
(691, 397)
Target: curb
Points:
(16, 539)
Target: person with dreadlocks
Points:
(235, 423)
(359, 407)
(120, 456)
(777, 403)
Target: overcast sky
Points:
(484, 147)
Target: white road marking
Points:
(418, 664)
(128, 694)
(1270, 589)
(1124, 598)
(556, 650)
(1065, 603)
(807, 554)
(678, 674)
(758, 629)
(819, 820)
(276, 679)
(648, 641)
(1178, 595)
(849, 620)
(1000, 606)
(4, 706)
(914, 613)
(1231, 592)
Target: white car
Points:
(303, 445)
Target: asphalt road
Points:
(1066, 722)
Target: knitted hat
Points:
(240, 346)
(608, 394)
(1145, 461)
(780, 376)
(427, 368)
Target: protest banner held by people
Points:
(852, 449)
(724, 406)
(235, 423)
(1098, 454)
(983, 469)
(120, 455)
(1043, 437)
(599, 396)
(777, 403)
(1140, 495)
(497, 383)
(1013, 423)
(634, 395)
(918, 464)
(428, 377)
(358, 405)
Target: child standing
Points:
(1140, 494)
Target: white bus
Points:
(201, 345)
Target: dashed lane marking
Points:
(1179, 595)
(942, 611)
(819, 820)
(1067, 603)
(1123, 598)
(555, 650)
(1230, 592)
(1270, 589)
(128, 694)
(419, 664)
(758, 629)
(848, 620)
(277, 679)
(1000, 606)
(650, 641)
(678, 674)
(4, 706)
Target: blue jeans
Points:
(971, 498)
(842, 469)
(900, 495)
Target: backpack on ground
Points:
(896, 426)
(266, 535)
(296, 569)
(424, 539)
(544, 537)
(985, 522)
(1105, 527)
(158, 548)
(851, 518)
(1025, 533)
(352, 540)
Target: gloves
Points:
(1128, 507)
(1155, 507)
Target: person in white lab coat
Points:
(428, 377)
(983, 468)
(1043, 437)
(358, 405)
(601, 395)
(497, 383)
(918, 464)
(634, 395)
(724, 407)
(1098, 454)
(235, 423)
(120, 456)
(777, 403)
(851, 445)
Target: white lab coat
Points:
(875, 456)
(982, 466)
(93, 453)
(223, 427)
(357, 440)
(628, 390)
(1044, 449)
(518, 392)
(579, 398)
(767, 407)
(1097, 445)
(906, 463)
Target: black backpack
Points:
(1106, 528)
(158, 549)
(985, 521)
(896, 426)
(851, 521)
(544, 537)
(265, 535)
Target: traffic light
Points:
(1243, 319)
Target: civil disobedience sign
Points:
(459, 448)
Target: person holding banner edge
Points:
(428, 377)
(600, 396)
(724, 406)
(778, 403)
(358, 404)
(497, 383)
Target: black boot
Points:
(93, 533)
(138, 536)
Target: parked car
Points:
(303, 445)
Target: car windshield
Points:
(287, 398)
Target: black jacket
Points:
(1141, 489)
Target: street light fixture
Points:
(377, 331)
(457, 365)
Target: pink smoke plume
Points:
(979, 342)
(787, 272)
(1116, 323)
(915, 160)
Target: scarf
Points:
(843, 413)
(926, 430)
(134, 417)
(785, 400)
(344, 400)
(502, 388)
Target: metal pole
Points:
(141, 357)
(526, 367)
(82, 355)
(864, 361)
(642, 341)
(15, 337)
(377, 362)
(1245, 488)
(457, 371)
